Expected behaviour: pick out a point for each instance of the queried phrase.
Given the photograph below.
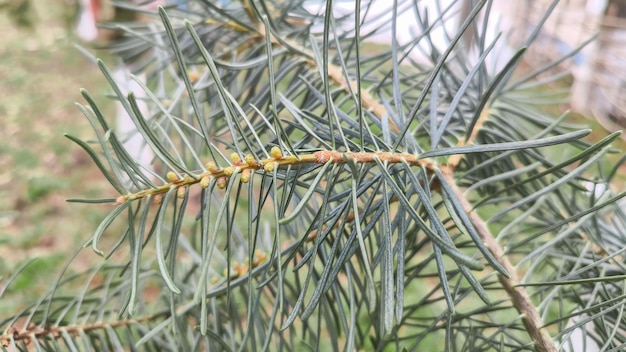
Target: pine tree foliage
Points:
(313, 191)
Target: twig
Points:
(33, 332)
(249, 164)
(335, 74)
(454, 160)
(520, 299)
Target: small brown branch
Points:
(367, 101)
(268, 164)
(454, 160)
(33, 332)
(335, 75)
(518, 295)
(392, 158)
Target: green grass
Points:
(40, 77)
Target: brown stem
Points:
(33, 332)
(367, 101)
(335, 75)
(518, 295)
(455, 159)
(239, 166)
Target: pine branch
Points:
(350, 232)
(335, 73)
(31, 331)
(519, 298)
(244, 167)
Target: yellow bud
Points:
(193, 76)
(180, 192)
(259, 258)
(221, 182)
(212, 167)
(269, 167)
(229, 170)
(233, 273)
(236, 269)
(250, 160)
(215, 280)
(242, 269)
(171, 176)
(245, 175)
(204, 182)
(158, 199)
(276, 153)
(234, 157)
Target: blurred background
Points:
(41, 74)
(598, 81)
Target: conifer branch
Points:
(335, 74)
(31, 331)
(518, 295)
(243, 167)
